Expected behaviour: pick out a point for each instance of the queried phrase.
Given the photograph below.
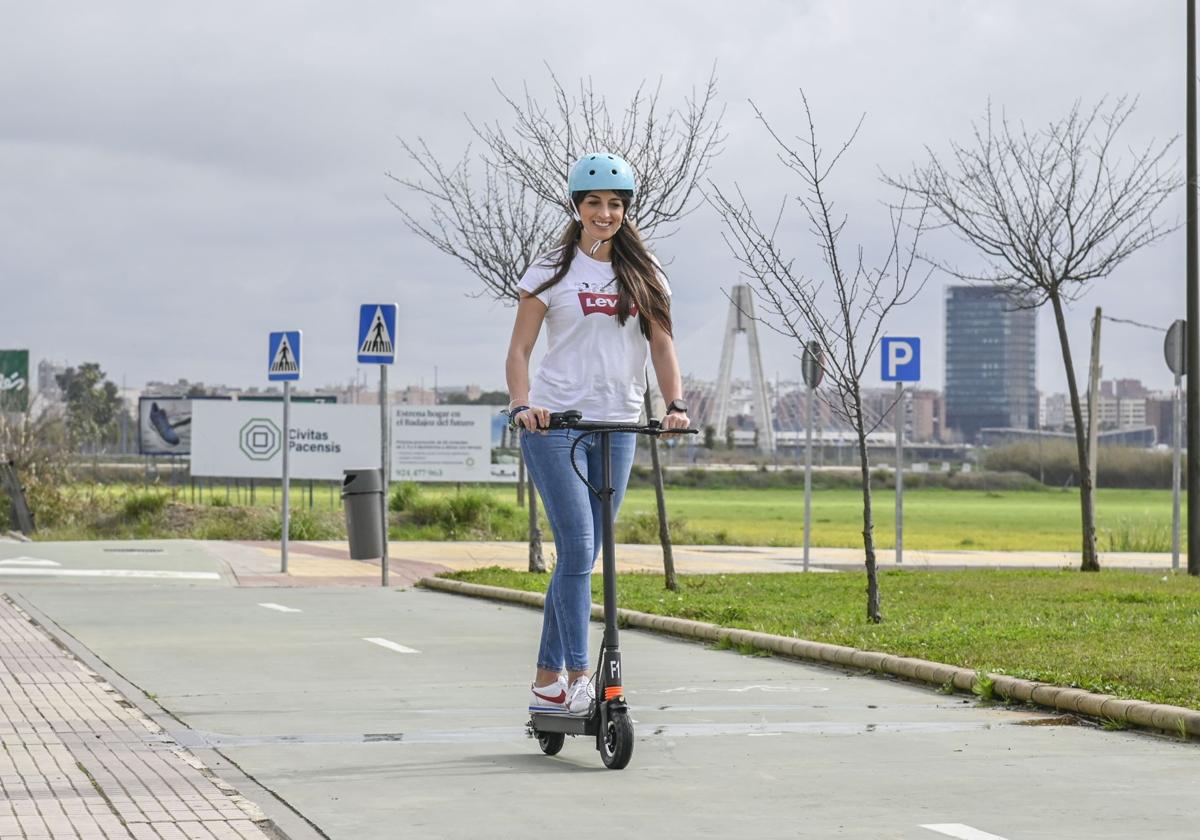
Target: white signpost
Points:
(283, 365)
(1175, 349)
(901, 363)
(812, 368)
(377, 346)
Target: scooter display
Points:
(608, 719)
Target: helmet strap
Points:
(596, 245)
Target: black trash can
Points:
(362, 496)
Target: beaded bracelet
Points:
(512, 415)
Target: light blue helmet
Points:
(600, 171)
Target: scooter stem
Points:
(610, 544)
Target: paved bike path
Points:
(379, 713)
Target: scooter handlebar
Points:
(574, 420)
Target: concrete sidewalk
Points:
(80, 761)
(323, 563)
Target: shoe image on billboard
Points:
(162, 425)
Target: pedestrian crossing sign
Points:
(377, 333)
(283, 356)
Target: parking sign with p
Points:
(901, 360)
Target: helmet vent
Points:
(614, 172)
(591, 171)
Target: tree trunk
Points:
(537, 562)
(873, 613)
(664, 532)
(1090, 561)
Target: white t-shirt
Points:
(592, 364)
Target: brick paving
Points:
(79, 761)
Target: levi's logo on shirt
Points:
(592, 302)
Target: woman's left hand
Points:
(675, 420)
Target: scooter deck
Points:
(566, 724)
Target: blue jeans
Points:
(574, 514)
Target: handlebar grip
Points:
(564, 419)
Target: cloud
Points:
(179, 182)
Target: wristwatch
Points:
(677, 407)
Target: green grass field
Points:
(935, 518)
(1122, 633)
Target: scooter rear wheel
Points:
(551, 742)
(616, 743)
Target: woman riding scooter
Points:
(607, 309)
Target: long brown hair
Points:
(638, 275)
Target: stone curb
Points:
(1169, 719)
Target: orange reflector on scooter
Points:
(612, 691)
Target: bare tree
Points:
(491, 224)
(1049, 211)
(497, 210)
(670, 149)
(845, 309)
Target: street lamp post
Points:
(1193, 312)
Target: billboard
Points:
(244, 439)
(319, 399)
(451, 443)
(164, 425)
(14, 380)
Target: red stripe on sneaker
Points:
(561, 697)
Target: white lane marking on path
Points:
(687, 689)
(391, 645)
(962, 832)
(158, 574)
(28, 561)
(279, 607)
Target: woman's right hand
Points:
(534, 419)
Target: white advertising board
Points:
(245, 439)
(451, 443)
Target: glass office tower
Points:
(991, 362)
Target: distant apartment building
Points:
(1124, 389)
(991, 362)
(924, 412)
(927, 414)
(1122, 404)
(413, 395)
(1160, 413)
(47, 380)
(1054, 412)
(186, 388)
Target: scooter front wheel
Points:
(551, 742)
(616, 742)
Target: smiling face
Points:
(601, 213)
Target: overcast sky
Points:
(176, 180)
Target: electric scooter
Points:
(608, 720)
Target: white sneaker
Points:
(580, 696)
(549, 699)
